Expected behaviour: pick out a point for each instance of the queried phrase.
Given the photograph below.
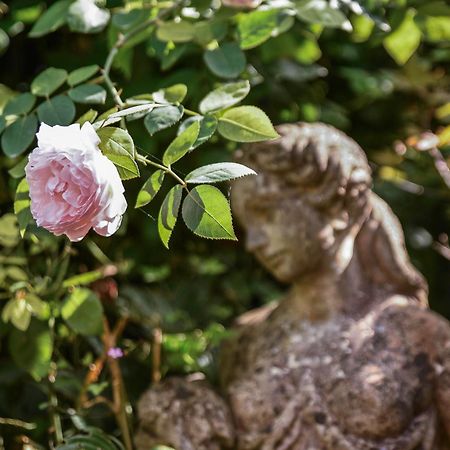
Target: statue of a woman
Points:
(351, 358)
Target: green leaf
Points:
(182, 31)
(246, 124)
(162, 118)
(82, 74)
(88, 116)
(126, 20)
(181, 144)
(88, 93)
(225, 96)
(80, 16)
(20, 104)
(52, 19)
(207, 31)
(48, 81)
(18, 171)
(208, 125)
(403, 41)
(83, 312)
(150, 188)
(19, 135)
(9, 230)
(168, 214)
(134, 111)
(38, 307)
(2, 124)
(320, 11)
(171, 94)
(213, 173)
(22, 206)
(256, 27)
(4, 41)
(226, 61)
(32, 350)
(16, 312)
(84, 278)
(206, 212)
(436, 29)
(59, 110)
(117, 145)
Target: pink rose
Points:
(73, 186)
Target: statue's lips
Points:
(272, 259)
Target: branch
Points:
(121, 41)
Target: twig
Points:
(156, 355)
(17, 423)
(120, 42)
(119, 395)
(144, 160)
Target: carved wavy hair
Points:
(331, 173)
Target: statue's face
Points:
(286, 235)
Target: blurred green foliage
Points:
(384, 83)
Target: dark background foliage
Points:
(194, 291)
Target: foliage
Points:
(158, 80)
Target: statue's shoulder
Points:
(415, 322)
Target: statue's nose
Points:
(255, 239)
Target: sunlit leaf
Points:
(403, 41)
(168, 214)
(182, 31)
(171, 94)
(206, 212)
(225, 96)
(321, 12)
(208, 125)
(118, 146)
(22, 206)
(181, 144)
(150, 188)
(163, 117)
(246, 124)
(213, 173)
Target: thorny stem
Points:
(121, 41)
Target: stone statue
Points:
(351, 358)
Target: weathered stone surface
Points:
(351, 358)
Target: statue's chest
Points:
(340, 380)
